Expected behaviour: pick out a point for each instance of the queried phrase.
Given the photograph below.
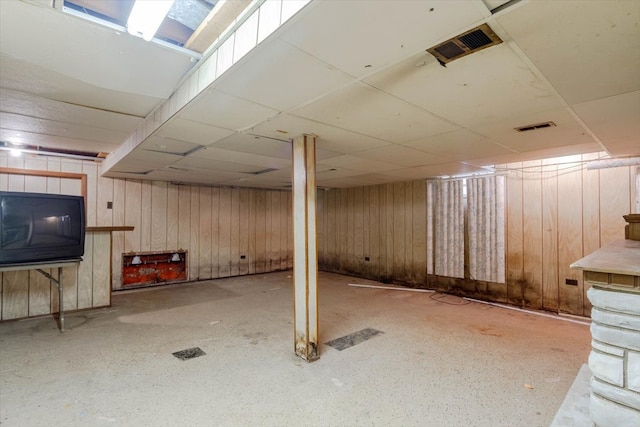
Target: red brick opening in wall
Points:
(151, 268)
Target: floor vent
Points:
(350, 340)
(466, 43)
(189, 353)
(535, 126)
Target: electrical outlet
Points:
(109, 205)
(242, 257)
(572, 282)
(366, 258)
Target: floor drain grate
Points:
(353, 339)
(189, 353)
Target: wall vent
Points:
(527, 128)
(260, 172)
(464, 44)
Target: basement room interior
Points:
(320, 213)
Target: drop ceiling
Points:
(354, 73)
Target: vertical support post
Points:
(305, 260)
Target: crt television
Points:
(37, 227)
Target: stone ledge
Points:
(607, 368)
(616, 394)
(612, 318)
(621, 302)
(605, 348)
(605, 413)
(633, 371)
(619, 337)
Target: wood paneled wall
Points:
(384, 223)
(557, 211)
(227, 232)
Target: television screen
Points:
(37, 227)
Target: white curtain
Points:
(486, 228)
(448, 227)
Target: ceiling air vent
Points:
(535, 126)
(466, 43)
(260, 172)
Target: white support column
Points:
(305, 260)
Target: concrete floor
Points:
(441, 361)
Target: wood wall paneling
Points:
(615, 201)
(550, 236)
(204, 235)
(252, 232)
(215, 232)
(590, 219)
(374, 231)
(515, 245)
(419, 232)
(532, 232)
(117, 237)
(146, 218)
(194, 233)
(243, 264)
(388, 232)
(284, 229)
(261, 232)
(159, 214)
(358, 230)
(133, 215)
(224, 230)
(85, 275)
(101, 269)
(173, 217)
(39, 293)
(570, 236)
(15, 294)
(234, 224)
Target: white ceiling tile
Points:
(587, 50)
(613, 118)
(168, 145)
(195, 132)
(358, 180)
(27, 104)
(23, 76)
(58, 142)
(400, 155)
(358, 163)
(440, 169)
(19, 122)
(226, 111)
(622, 147)
(458, 145)
(125, 63)
(220, 154)
(258, 145)
(368, 111)
(195, 162)
(287, 126)
(590, 147)
(288, 71)
(567, 132)
(359, 37)
(478, 88)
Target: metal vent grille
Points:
(466, 43)
(260, 172)
(535, 126)
(475, 39)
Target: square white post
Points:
(305, 261)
